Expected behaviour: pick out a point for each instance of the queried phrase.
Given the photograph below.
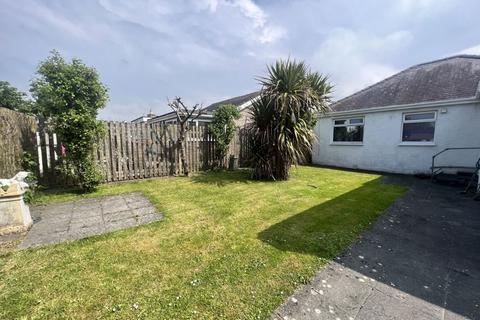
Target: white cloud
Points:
(263, 31)
(271, 34)
(389, 42)
(471, 50)
(354, 60)
(421, 10)
(129, 111)
(252, 11)
(211, 5)
(407, 6)
(163, 16)
(40, 14)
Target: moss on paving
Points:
(229, 248)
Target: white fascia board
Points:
(246, 104)
(174, 117)
(420, 105)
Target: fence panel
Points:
(131, 151)
(17, 135)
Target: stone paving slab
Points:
(88, 217)
(420, 260)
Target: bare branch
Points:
(174, 106)
(180, 103)
(184, 115)
(200, 112)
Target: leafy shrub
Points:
(29, 163)
(71, 93)
(222, 129)
(91, 176)
(12, 98)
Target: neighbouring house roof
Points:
(165, 116)
(237, 101)
(172, 116)
(455, 77)
(144, 118)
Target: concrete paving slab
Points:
(383, 306)
(87, 217)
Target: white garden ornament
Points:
(14, 213)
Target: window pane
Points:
(350, 133)
(339, 122)
(356, 121)
(422, 131)
(420, 116)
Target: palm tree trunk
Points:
(282, 167)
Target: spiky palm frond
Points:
(321, 90)
(284, 115)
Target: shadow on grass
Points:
(409, 246)
(62, 191)
(326, 229)
(43, 193)
(224, 177)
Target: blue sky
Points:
(208, 50)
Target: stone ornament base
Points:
(13, 229)
(14, 213)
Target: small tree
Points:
(283, 117)
(222, 129)
(12, 98)
(185, 117)
(71, 93)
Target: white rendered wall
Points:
(382, 149)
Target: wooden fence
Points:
(127, 151)
(17, 132)
(131, 151)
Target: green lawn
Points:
(228, 248)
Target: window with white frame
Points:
(419, 126)
(348, 130)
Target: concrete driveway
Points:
(420, 260)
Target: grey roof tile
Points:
(238, 101)
(450, 78)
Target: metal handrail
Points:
(475, 179)
(447, 149)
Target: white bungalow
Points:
(399, 124)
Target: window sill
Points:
(417, 144)
(346, 144)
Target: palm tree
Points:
(284, 115)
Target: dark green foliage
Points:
(29, 163)
(283, 117)
(71, 93)
(12, 98)
(63, 86)
(222, 129)
(82, 173)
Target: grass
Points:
(229, 248)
